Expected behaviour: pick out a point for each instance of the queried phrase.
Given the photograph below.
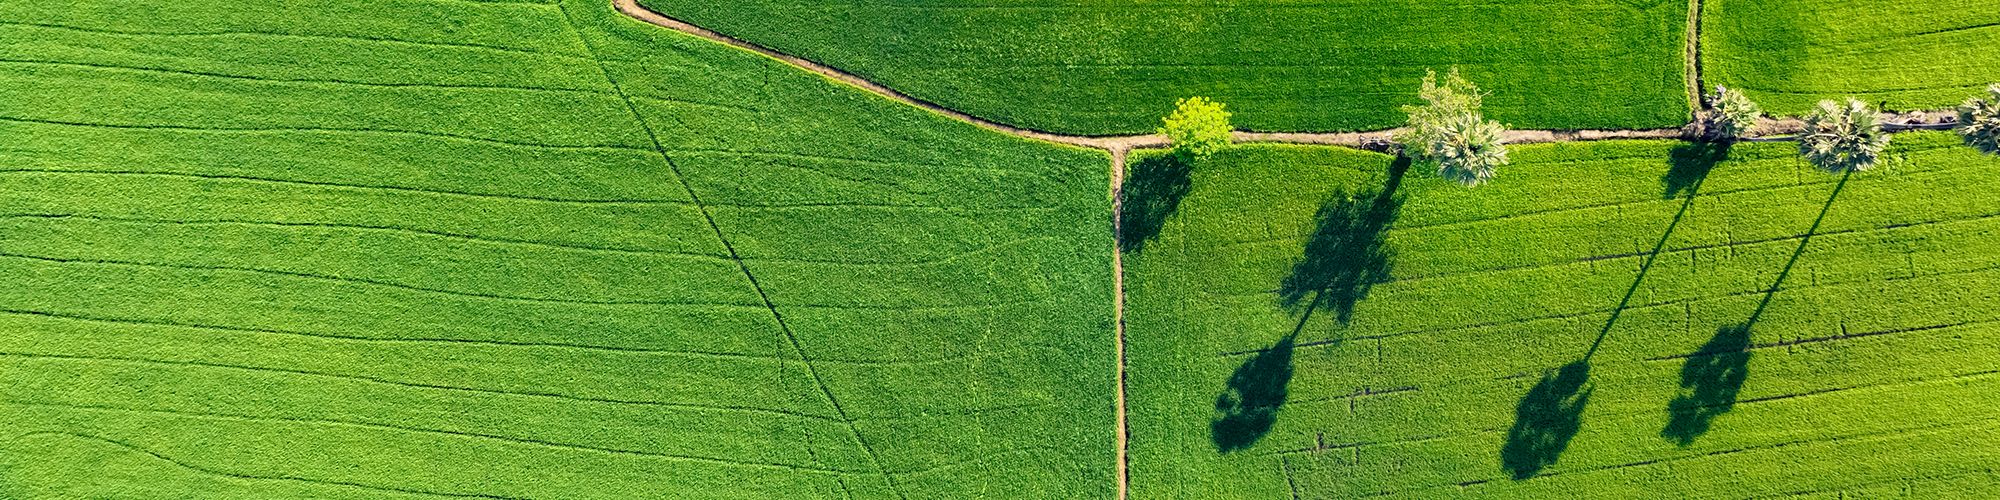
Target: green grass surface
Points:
(425, 248)
(1580, 324)
(1905, 54)
(1116, 66)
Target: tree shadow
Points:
(1347, 253)
(1153, 189)
(1713, 376)
(1688, 165)
(1249, 405)
(1546, 420)
(1552, 412)
(1710, 380)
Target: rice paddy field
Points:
(513, 249)
(1115, 66)
(1606, 320)
(428, 248)
(1900, 54)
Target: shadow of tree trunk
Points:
(1712, 376)
(1347, 252)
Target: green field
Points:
(1116, 66)
(1604, 320)
(420, 248)
(1903, 54)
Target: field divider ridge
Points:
(874, 458)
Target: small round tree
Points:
(1843, 138)
(1197, 128)
(1449, 130)
(1979, 121)
(1730, 115)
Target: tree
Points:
(1448, 130)
(1197, 128)
(1730, 115)
(1843, 138)
(1979, 121)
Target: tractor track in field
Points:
(1118, 146)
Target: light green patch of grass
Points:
(1116, 66)
(1900, 54)
(1578, 324)
(412, 248)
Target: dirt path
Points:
(1119, 146)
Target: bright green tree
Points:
(1198, 127)
(1449, 130)
(1730, 115)
(1979, 121)
(1843, 138)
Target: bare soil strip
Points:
(1119, 146)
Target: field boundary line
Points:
(874, 458)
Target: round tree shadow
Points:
(1547, 418)
(1249, 404)
(1710, 381)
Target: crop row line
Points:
(510, 197)
(237, 475)
(325, 422)
(726, 356)
(328, 130)
(340, 186)
(694, 407)
(274, 34)
(510, 241)
(361, 227)
(368, 281)
(306, 81)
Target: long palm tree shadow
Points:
(1151, 194)
(1347, 252)
(1249, 403)
(1713, 375)
(1550, 415)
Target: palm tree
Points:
(1843, 138)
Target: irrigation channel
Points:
(1118, 146)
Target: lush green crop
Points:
(258, 249)
(1602, 320)
(1898, 54)
(1116, 66)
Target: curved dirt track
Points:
(1119, 146)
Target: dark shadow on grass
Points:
(1552, 412)
(1545, 421)
(1713, 375)
(1710, 381)
(1249, 405)
(1347, 254)
(1688, 165)
(1153, 189)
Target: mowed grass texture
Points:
(425, 248)
(1604, 320)
(1900, 54)
(1116, 66)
